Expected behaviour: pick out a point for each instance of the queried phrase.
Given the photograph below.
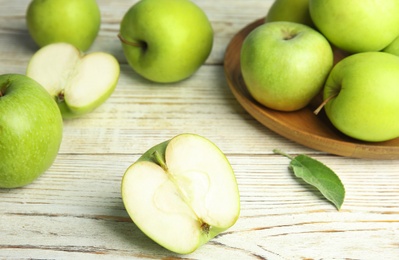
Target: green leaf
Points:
(318, 175)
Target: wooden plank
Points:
(75, 210)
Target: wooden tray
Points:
(302, 126)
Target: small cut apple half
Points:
(80, 83)
(182, 193)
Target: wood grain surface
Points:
(75, 211)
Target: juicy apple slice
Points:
(182, 193)
(80, 83)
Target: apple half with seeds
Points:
(182, 193)
(79, 82)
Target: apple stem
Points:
(317, 110)
(135, 44)
(4, 87)
(158, 159)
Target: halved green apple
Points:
(79, 83)
(182, 193)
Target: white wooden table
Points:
(75, 211)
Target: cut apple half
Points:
(79, 83)
(182, 193)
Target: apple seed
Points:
(61, 97)
(205, 227)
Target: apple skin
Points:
(73, 21)
(366, 104)
(393, 47)
(355, 27)
(179, 231)
(285, 64)
(31, 130)
(166, 40)
(291, 11)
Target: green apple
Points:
(30, 130)
(182, 193)
(79, 83)
(166, 40)
(362, 94)
(356, 26)
(291, 11)
(74, 21)
(393, 47)
(285, 64)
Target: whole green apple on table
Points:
(30, 130)
(111, 196)
(166, 41)
(73, 21)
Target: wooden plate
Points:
(302, 126)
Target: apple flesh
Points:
(74, 21)
(79, 83)
(182, 193)
(362, 94)
(285, 64)
(166, 40)
(30, 130)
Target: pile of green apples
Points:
(182, 192)
(345, 51)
